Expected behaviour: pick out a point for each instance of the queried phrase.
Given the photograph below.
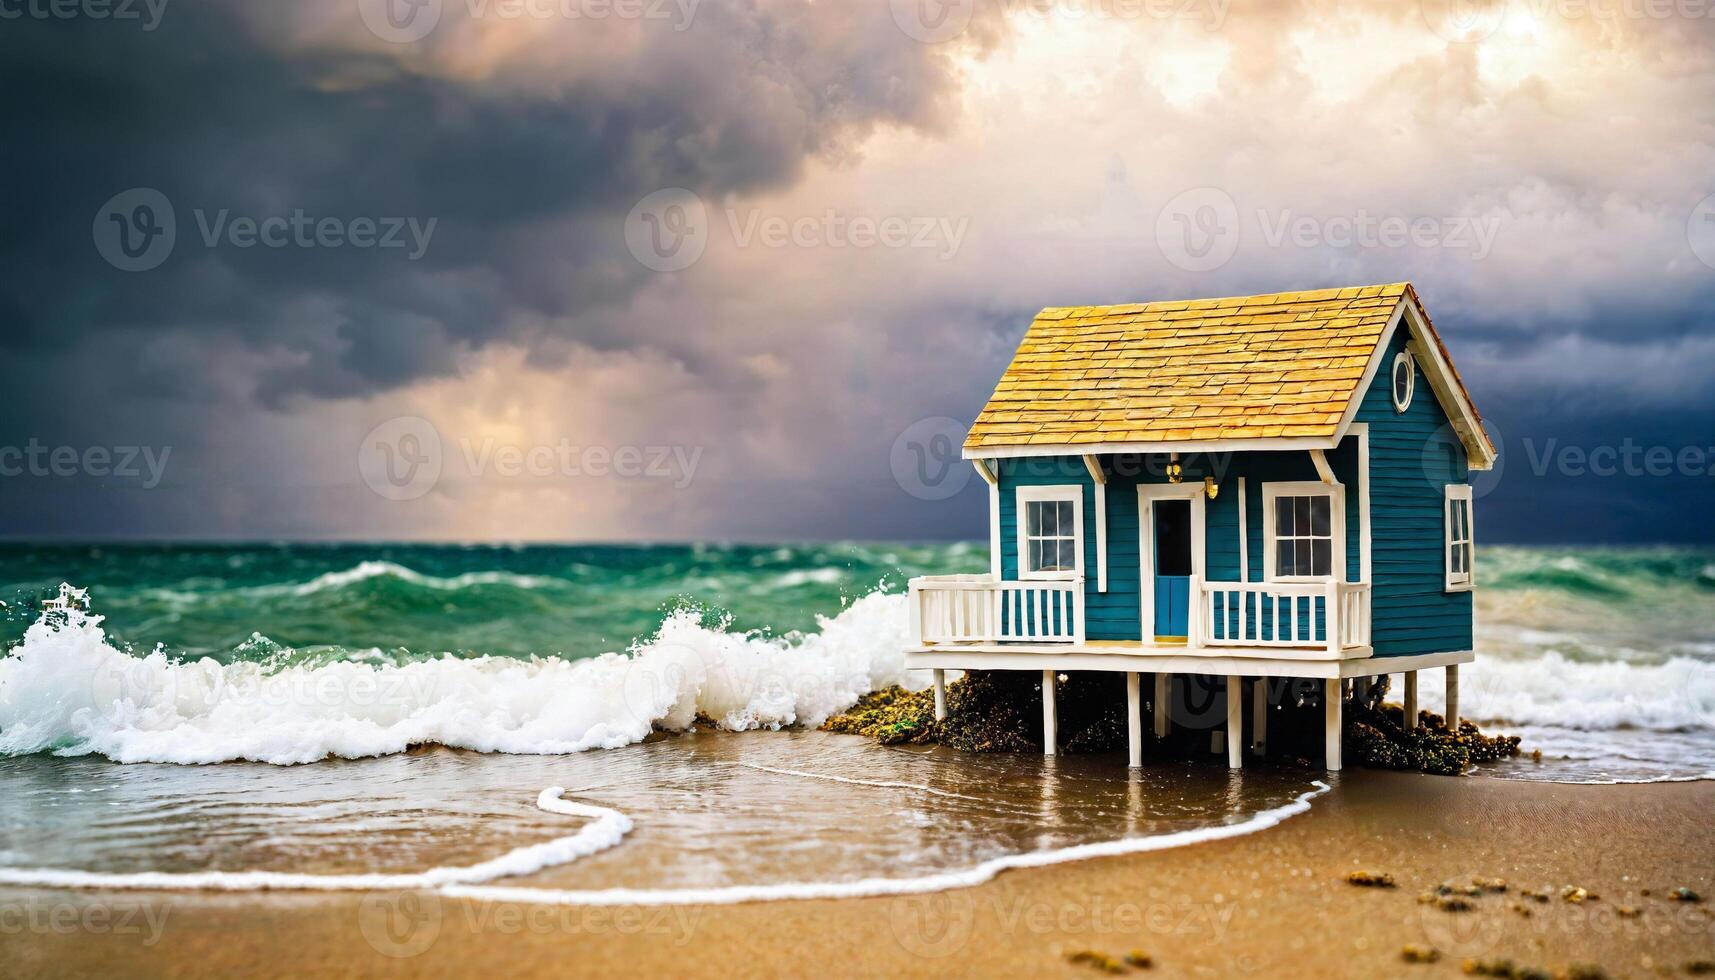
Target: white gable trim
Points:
(1437, 372)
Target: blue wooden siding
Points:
(1114, 615)
(1412, 457)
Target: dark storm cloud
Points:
(525, 181)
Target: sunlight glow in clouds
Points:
(1051, 138)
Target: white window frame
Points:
(1028, 495)
(1336, 528)
(1399, 404)
(1466, 580)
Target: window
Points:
(1050, 532)
(1404, 380)
(1304, 530)
(1459, 551)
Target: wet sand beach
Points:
(1272, 903)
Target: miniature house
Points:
(1245, 488)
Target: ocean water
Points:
(261, 716)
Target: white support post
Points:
(1235, 721)
(1048, 723)
(1330, 618)
(989, 470)
(1194, 622)
(1244, 537)
(1100, 480)
(914, 610)
(940, 694)
(1134, 716)
(1410, 686)
(1331, 723)
(1259, 715)
(1163, 689)
(1453, 698)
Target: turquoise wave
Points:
(307, 603)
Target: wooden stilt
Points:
(940, 694)
(1048, 723)
(1453, 698)
(1331, 723)
(1163, 717)
(1410, 686)
(1259, 715)
(1360, 688)
(1235, 722)
(1134, 717)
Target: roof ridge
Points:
(1402, 287)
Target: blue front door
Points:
(1172, 568)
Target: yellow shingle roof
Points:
(1242, 367)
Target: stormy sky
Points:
(685, 269)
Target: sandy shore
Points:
(1270, 904)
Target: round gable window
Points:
(1404, 380)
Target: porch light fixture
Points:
(1175, 472)
(1211, 488)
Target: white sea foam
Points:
(809, 576)
(365, 570)
(1553, 690)
(66, 689)
(871, 887)
(605, 829)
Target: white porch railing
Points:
(1329, 614)
(979, 609)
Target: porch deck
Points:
(1236, 629)
(1246, 620)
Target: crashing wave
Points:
(66, 689)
